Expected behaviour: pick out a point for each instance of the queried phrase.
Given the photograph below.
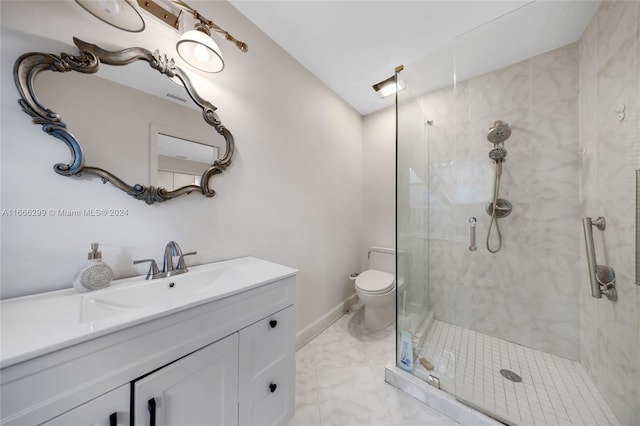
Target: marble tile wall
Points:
(528, 292)
(636, 154)
(608, 62)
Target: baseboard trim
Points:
(308, 333)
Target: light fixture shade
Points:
(200, 51)
(388, 87)
(117, 13)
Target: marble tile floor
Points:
(340, 381)
(554, 390)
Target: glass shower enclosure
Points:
(498, 305)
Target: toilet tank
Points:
(384, 259)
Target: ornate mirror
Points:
(170, 152)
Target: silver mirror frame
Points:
(29, 65)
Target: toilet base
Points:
(379, 317)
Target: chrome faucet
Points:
(172, 249)
(168, 269)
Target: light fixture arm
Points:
(210, 25)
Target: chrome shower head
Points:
(499, 133)
(498, 154)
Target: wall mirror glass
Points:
(177, 159)
(109, 118)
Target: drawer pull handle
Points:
(272, 387)
(152, 411)
(273, 323)
(113, 419)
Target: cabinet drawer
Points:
(267, 342)
(267, 370)
(271, 398)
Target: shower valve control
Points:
(503, 208)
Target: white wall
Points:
(378, 162)
(292, 195)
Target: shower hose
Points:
(494, 219)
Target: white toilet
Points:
(376, 288)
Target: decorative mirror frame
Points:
(29, 65)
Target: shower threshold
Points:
(551, 391)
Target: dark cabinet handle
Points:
(272, 387)
(273, 323)
(113, 419)
(152, 411)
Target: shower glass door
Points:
(411, 213)
(423, 179)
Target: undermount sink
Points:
(165, 292)
(38, 324)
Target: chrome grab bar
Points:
(472, 234)
(587, 223)
(597, 272)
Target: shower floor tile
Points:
(553, 391)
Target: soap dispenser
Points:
(95, 274)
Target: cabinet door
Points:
(199, 389)
(267, 373)
(110, 409)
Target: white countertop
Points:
(32, 326)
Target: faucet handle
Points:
(153, 267)
(181, 263)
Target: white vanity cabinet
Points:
(246, 378)
(228, 360)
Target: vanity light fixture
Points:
(195, 47)
(388, 87)
(117, 13)
(198, 49)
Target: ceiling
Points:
(350, 45)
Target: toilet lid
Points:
(374, 282)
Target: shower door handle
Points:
(472, 234)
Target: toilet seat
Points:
(374, 282)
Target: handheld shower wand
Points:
(498, 207)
